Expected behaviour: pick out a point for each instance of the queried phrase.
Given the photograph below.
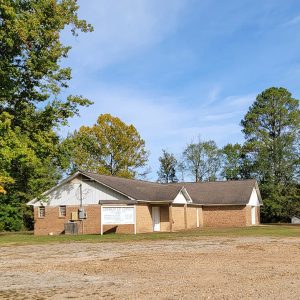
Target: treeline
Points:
(33, 156)
(270, 154)
(32, 107)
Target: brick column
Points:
(170, 218)
(185, 216)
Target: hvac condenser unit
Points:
(71, 228)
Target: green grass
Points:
(27, 238)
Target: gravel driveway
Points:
(202, 268)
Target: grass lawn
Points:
(27, 238)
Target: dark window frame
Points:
(41, 212)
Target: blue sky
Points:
(178, 69)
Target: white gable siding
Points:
(253, 201)
(180, 198)
(92, 192)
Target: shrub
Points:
(11, 218)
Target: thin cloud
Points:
(293, 21)
(164, 121)
(122, 29)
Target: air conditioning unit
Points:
(71, 228)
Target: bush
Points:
(11, 218)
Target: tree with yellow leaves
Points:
(3, 181)
(109, 147)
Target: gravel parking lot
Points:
(203, 268)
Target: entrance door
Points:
(253, 215)
(156, 218)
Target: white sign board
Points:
(117, 215)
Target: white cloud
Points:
(121, 29)
(221, 116)
(128, 28)
(239, 101)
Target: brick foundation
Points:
(118, 228)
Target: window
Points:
(62, 211)
(41, 212)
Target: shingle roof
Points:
(221, 192)
(209, 193)
(138, 189)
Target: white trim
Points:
(155, 213)
(258, 193)
(101, 224)
(231, 204)
(134, 219)
(184, 191)
(254, 198)
(41, 208)
(155, 202)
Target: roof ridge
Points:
(169, 183)
(217, 181)
(124, 178)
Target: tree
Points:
(167, 171)
(231, 161)
(31, 102)
(202, 160)
(271, 128)
(4, 180)
(109, 147)
(236, 162)
(30, 56)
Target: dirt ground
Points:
(199, 268)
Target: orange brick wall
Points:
(191, 217)
(143, 218)
(178, 217)
(52, 223)
(224, 216)
(209, 216)
(248, 215)
(123, 228)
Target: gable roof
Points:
(222, 192)
(138, 189)
(235, 192)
